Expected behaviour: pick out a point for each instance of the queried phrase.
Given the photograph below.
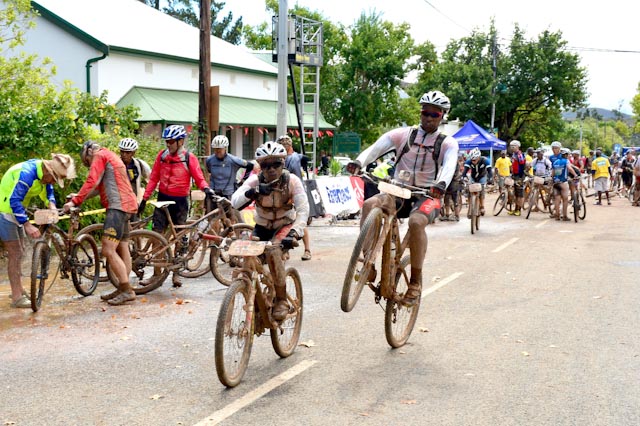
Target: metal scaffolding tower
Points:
(305, 47)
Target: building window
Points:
(148, 67)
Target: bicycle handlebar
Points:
(415, 190)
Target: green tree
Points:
(535, 81)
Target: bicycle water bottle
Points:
(58, 238)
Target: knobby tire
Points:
(85, 265)
(399, 319)
(39, 273)
(284, 339)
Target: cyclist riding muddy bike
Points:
(425, 157)
(281, 214)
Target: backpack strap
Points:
(436, 147)
(407, 145)
(187, 154)
(436, 150)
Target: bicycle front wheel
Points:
(39, 273)
(221, 264)
(234, 334)
(96, 230)
(499, 204)
(362, 263)
(195, 265)
(473, 211)
(284, 339)
(399, 319)
(85, 265)
(583, 206)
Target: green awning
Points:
(178, 106)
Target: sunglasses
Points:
(431, 114)
(267, 166)
(171, 141)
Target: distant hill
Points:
(604, 114)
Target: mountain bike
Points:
(379, 243)
(539, 197)
(578, 200)
(506, 199)
(247, 305)
(78, 256)
(154, 256)
(474, 206)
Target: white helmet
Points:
(515, 142)
(270, 150)
(565, 151)
(437, 99)
(128, 144)
(220, 141)
(474, 154)
(556, 144)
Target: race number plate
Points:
(394, 190)
(247, 248)
(508, 181)
(197, 195)
(538, 180)
(475, 187)
(45, 217)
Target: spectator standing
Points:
(295, 162)
(20, 184)
(601, 175)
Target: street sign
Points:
(346, 143)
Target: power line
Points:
(452, 21)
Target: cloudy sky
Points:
(601, 33)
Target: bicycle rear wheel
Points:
(361, 264)
(234, 334)
(85, 265)
(221, 264)
(198, 248)
(576, 206)
(284, 339)
(499, 204)
(400, 319)
(39, 273)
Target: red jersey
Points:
(108, 176)
(174, 173)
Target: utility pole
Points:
(493, 85)
(204, 100)
(283, 60)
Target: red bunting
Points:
(261, 130)
(320, 133)
(329, 132)
(297, 132)
(246, 131)
(230, 127)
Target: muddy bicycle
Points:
(540, 197)
(473, 212)
(380, 244)
(578, 199)
(78, 256)
(154, 256)
(246, 309)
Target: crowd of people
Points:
(422, 157)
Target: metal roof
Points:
(131, 26)
(179, 106)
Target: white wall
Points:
(119, 72)
(68, 53)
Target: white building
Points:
(144, 57)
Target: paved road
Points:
(527, 322)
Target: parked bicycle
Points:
(540, 197)
(247, 309)
(78, 256)
(578, 200)
(506, 199)
(380, 242)
(154, 256)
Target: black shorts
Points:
(430, 207)
(178, 212)
(275, 235)
(116, 225)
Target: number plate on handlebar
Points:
(197, 195)
(394, 190)
(538, 180)
(45, 217)
(247, 248)
(475, 187)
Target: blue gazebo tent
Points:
(473, 136)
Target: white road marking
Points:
(440, 284)
(255, 394)
(505, 245)
(541, 224)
